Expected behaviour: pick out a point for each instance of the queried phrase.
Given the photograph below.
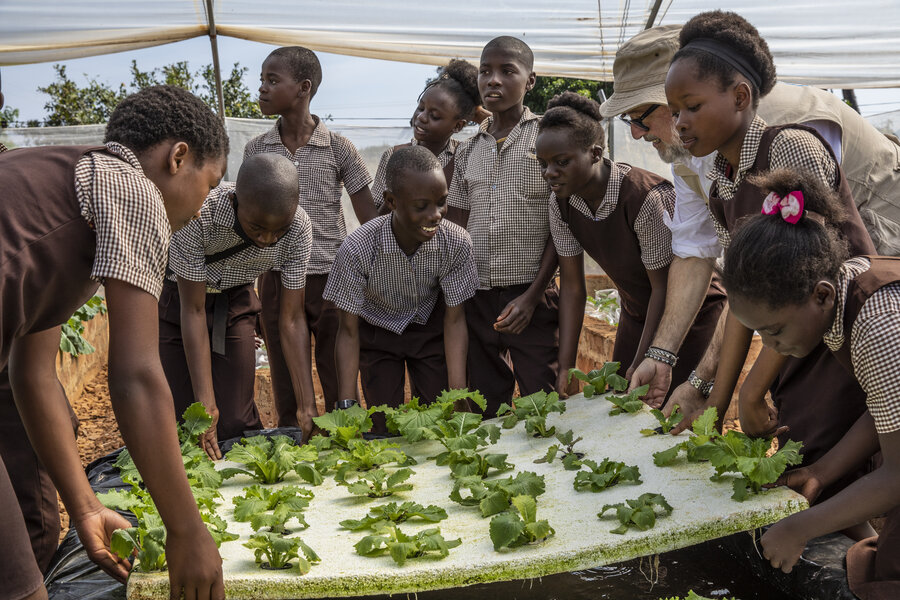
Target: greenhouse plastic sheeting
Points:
(829, 43)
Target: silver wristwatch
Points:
(704, 387)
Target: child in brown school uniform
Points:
(614, 212)
(498, 194)
(714, 85)
(788, 277)
(448, 102)
(388, 280)
(72, 217)
(208, 308)
(325, 161)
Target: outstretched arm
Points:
(572, 296)
(295, 345)
(346, 354)
(456, 346)
(363, 205)
(516, 315)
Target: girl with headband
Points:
(788, 277)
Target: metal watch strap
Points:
(345, 403)
(702, 386)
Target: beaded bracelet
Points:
(663, 356)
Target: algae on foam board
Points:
(703, 510)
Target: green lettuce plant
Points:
(639, 513)
(403, 547)
(278, 552)
(267, 460)
(598, 477)
(519, 526)
(533, 410)
(598, 380)
(395, 513)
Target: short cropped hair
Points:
(514, 46)
(303, 64)
(418, 159)
(270, 182)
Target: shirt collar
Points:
(527, 115)
(125, 154)
(320, 135)
(749, 150)
(223, 209)
(850, 270)
(387, 241)
(617, 172)
(448, 150)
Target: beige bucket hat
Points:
(639, 71)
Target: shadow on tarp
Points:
(731, 566)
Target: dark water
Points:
(704, 568)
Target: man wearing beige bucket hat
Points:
(870, 160)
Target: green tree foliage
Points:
(547, 87)
(71, 104)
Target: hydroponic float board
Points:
(703, 510)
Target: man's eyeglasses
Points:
(639, 122)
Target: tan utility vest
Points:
(871, 161)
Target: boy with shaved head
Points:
(208, 308)
(399, 282)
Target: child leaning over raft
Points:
(388, 281)
(788, 277)
(325, 162)
(208, 308)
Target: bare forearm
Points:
(549, 262)
(688, 283)
(296, 348)
(761, 376)
(363, 205)
(855, 447)
(654, 314)
(346, 349)
(571, 318)
(735, 342)
(197, 353)
(456, 345)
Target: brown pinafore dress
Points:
(873, 564)
(46, 255)
(613, 244)
(817, 377)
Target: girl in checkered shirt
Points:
(788, 277)
(447, 103)
(614, 212)
(714, 85)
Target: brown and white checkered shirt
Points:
(214, 232)
(126, 211)
(791, 148)
(654, 238)
(3, 148)
(378, 186)
(375, 279)
(874, 345)
(326, 162)
(507, 202)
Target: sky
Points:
(354, 90)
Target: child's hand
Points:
(95, 530)
(209, 440)
(804, 481)
(516, 316)
(564, 387)
(759, 419)
(782, 546)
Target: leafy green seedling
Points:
(414, 420)
(734, 452)
(639, 513)
(344, 425)
(278, 552)
(403, 547)
(377, 483)
(467, 462)
(533, 410)
(267, 460)
(604, 475)
(629, 403)
(270, 508)
(596, 381)
(495, 496)
(362, 455)
(200, 469)
(394, 513)
(520, 526)
(693, 596)
(666, 424)
(72, 339)
(571, 460)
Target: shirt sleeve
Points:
(461, 279)
(354, 172)
(693, 232)
(654, 238)
(458, 196)
(187, 254)
(347, 281)
(875, 354)
(795, 148)
(563, 239)
(379, 184)
(132, 229)
(293, 270)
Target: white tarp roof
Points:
(828, 43)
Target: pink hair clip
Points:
(790, 207)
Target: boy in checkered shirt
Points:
(388, 281)
(208, 309)
(325, 161)
(498, 194)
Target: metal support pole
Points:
(653, 12)
(210, 15)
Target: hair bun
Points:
(580, 103)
